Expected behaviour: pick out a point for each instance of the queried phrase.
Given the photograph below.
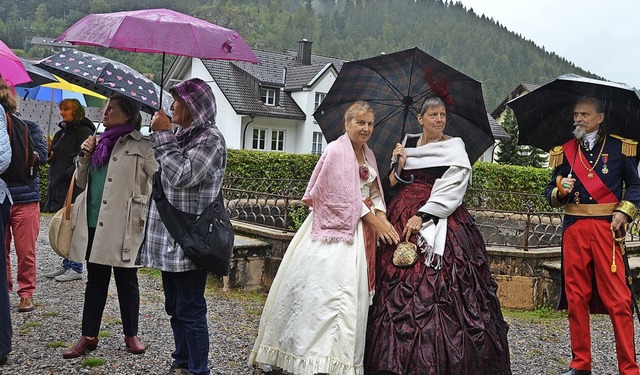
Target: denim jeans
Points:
(5, 307)
(76, 266)
(187, 307)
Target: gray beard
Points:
(579, 132)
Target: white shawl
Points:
(447, 192)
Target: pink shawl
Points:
(334, 192)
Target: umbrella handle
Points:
(397, 176)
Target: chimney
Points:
(304, 52)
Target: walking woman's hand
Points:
(386, 232)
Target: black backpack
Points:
(25, 164)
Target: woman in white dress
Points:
(315, 317)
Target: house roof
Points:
(240, 81)
(498, 132)
(521, 88)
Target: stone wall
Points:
(526, 279)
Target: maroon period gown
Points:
(427, 321)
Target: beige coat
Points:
(123, 211)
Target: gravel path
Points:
(40, 337)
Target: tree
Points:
(509, 152)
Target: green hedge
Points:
(276, 165)
(514, 178)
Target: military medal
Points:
(605, 158)
(591, 168)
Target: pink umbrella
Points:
(11, 68)
(159, 31)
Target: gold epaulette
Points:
(556, 157)
(629, 146)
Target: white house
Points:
(267, 106)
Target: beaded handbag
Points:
(405, 254)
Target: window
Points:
(319, 98)
(268, 96)
(277, 140)
(259, 139)
(316, 146)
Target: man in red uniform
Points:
(588, 177)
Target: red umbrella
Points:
(11, 68)
(159, 31)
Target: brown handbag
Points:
(60, 230)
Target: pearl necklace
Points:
(434, 141)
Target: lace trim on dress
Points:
(305, 366)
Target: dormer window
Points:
(268, 96)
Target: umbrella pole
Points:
(162, 80)
(50, 112)
(397, 167)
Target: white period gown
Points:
(315, 317)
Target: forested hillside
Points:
(350, 29)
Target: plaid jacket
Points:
(191, 178)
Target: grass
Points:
(541, 313)
(93, 362)
(150, 271)
(215, 287)
(55, 344)
(103, 334)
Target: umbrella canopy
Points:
(57, 91)
(106, 77)
(545, 115)
(159, 31)
(38, 76)
(11, 68)
(395, 85)
(60, 90)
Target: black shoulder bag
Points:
(207, 239)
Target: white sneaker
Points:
(69, 275)
(59, 270)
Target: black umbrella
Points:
(38, 76)
(395, 85)
(107, 77)
(545, 115)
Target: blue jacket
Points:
(5, 155)
(31, 193)
(619, 169)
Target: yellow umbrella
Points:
(66, 85)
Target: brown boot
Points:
(80, 347)
(134, 344)
(26, 305)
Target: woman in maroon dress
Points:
(441, 315)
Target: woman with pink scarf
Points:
(315, 316)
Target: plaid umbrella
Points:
(106, 77)
(545, 115)
(395, 85)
